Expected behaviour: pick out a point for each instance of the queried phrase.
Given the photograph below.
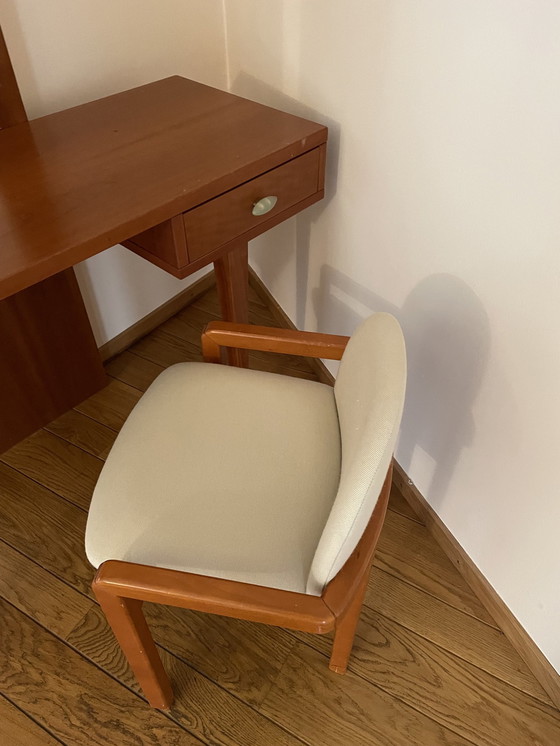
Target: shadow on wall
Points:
(249, 87)
(448, 340)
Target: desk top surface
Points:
(78, 181)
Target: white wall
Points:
(66, 52)
(442, 206)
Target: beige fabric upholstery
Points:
(241, 474)
(369, 393)
(223, 472)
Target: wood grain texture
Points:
(129, 580)
(269, 339)
(407, 551)
(49, 357)
(17, 729)
(189, 324)
(329, 710)
(213, 256)
(197, 315)
(81, 431)
(178, 142)
(133, 370)
(448, 689)
(459, 633)
(229, 217)
(57, 464)
(496, 608)
(187, 327)
(429, 617)
(164, 347)
(242, 657)
(38, 593)
(112, 405)
(80, 703)
(203, 707)
(44, 527)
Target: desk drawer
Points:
(229, 216)
(194, 238)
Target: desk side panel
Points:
(49, 361)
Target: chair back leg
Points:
(345, 629)
(133, 635)
(344, 595)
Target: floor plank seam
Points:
(299, 737)
(272, 354)
(295, 638)
(168, 650)
(130, 351)
(236, 696)
(66, 582)
(173, 654)
(432, 595)
(402, 653)
(402, 515)
(394, 696)
(75, 445)
(85, 414)
(36, 481)
(151, 360)
(408, 517)
(33, 720)
(91, 662)
(460, 658)
(115, 378)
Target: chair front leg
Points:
(129, 626)
(345, 630)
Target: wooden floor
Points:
(429, 666)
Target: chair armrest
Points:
(269, 339)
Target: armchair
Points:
(250, 494)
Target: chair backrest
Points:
(369, 393)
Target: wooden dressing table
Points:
(178, 172)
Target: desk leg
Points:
(49, 361)
(232, 279)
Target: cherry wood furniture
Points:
(48, 357)
(146, 165)
(177, 171)
(122, 587)
(374, 378)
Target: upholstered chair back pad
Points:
(369, 393)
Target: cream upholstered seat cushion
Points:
(221, 471)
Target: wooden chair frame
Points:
(122, 587)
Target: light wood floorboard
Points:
(430, 667)
(18, 729)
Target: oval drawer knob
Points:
(264, 205)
